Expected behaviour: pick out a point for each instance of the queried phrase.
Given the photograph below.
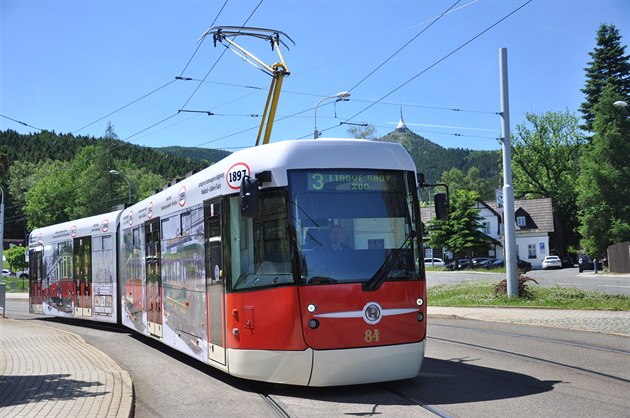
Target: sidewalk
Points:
(607, 322)
(48, 372)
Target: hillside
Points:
(433, 159)
(203, 155)
(48, 145)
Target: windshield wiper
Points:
(390, 262)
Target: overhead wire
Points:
(125, 106)
(176, 78)
(403, 47)
(21, 123)
(436, 62)
(217, 60)
(200, 43)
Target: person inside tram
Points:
(335, 236)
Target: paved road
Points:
(472, 368)
(614, 284)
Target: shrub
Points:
(523, 290)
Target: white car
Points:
(7, 273)
(552, 262)
(433, 262)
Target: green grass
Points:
(15, 284)
(482, 294)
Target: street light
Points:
(116, 173)
(339, 96)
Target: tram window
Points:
(170, 227)
(261, 246)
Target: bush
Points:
(523, 290)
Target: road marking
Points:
(613, 285)
(572, 284)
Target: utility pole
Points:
(508, 190)
(2, 227)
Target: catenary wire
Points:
(403, 47)
(218, 59)
(200, 43)
(436, 62)
(21, 123)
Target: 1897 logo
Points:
(236, 174)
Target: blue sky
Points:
(67, 64)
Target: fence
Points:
(619, 257)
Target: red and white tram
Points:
(294, 262)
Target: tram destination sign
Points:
(349, 181)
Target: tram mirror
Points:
(441, 206)
(248, 197)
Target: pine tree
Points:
(603, 187)
(461, 232)
(609, 64)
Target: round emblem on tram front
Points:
(372, 313)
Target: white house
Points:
(533, 224)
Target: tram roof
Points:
(93, 225)
(222, 178)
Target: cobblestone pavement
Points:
(608, 322)
(46, 372)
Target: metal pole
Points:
(2, 226)
(508, 191)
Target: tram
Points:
(295, 262)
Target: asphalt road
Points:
(471, 369)
(614, 284)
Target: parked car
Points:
(431, 262)
(461, 264)
(7, 273)
(522, 265)
(567, 261)
(480, 262)
(22, 274)
(551, 262)
(586, 262)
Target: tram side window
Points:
(264, 249)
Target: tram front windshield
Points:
(354, 225)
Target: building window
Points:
(520, 220)
(485, 228)
(531, 251)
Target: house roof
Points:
(538, 214)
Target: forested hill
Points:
(48, 145)
(204, 155)
(433, 160)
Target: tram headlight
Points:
(420, 302)
(311, 308)
(420, 317)
(313, 323)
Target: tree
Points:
(545, 163)
(364, 131)
(16, 257)
(603, 187)
(46, 200)
(472, 180)
(609, 65)
(461, 232)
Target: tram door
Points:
(154, 277)
(35, 281)
(215, 282)
(82, 254)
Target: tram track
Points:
(539, 360)
(542, 339)
(424, 405)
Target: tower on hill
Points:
(401, 127)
